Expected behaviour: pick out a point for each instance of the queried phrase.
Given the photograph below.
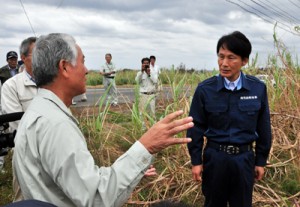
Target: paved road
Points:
(125, 95)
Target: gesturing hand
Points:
(161, 135)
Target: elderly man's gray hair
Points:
(48, 52)
(25, 45)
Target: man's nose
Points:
(86, 70)
(225, 62)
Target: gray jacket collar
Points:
(49, 95)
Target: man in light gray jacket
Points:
(51, 158)
(18, 91)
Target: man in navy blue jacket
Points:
(231, 110)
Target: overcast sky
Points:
(175, 31)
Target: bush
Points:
(93, 79)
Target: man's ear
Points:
(245, 61)
(62, 68)
(23, 58)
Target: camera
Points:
(146, 68)
(7, 139)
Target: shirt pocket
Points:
(249, 107)
(217, 115)
(248, 114)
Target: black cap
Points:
(11, 54)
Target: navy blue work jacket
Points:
(231, 117)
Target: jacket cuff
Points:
(140, 154)
(260, 161)
(196, 161)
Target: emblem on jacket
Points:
(248, 97)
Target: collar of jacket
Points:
(47, 94)
(28, 80)
(221, 80)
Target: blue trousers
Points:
(227, 179)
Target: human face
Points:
(12, 62)
(145, 62)
(108, 58)
(230, 64)
(78, 73)
(152, 61)
(27, 59)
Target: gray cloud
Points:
(174, 30)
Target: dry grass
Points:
(280, 186)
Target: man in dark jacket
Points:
(231, 110)
(11, 69)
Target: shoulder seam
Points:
(208, 81)
(253, 78)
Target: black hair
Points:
(152, 57)
(108, 54)
(237, 43)
(145, 59)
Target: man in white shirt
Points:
(108, 71)
(147, 80)
(155, 67)
(51, 159)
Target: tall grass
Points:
(281, 185)
(127, 77)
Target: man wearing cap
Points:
(11, 69)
